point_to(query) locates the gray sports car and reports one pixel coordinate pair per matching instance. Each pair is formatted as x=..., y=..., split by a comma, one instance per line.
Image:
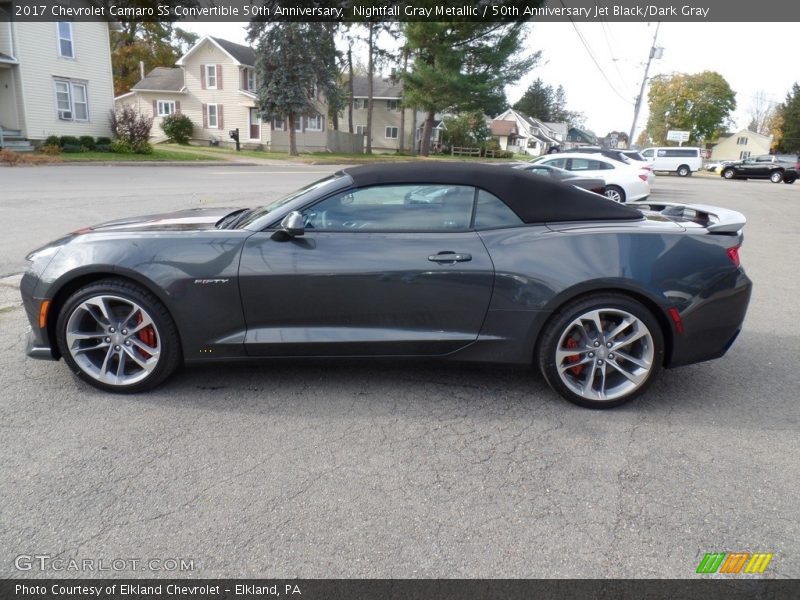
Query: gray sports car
x=455, y=261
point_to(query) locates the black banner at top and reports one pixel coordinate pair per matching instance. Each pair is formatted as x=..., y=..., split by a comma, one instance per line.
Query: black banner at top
x=402, y=10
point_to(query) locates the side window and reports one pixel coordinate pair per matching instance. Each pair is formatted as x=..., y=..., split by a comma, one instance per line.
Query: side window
x=604, y=166
x=561, y=163
x=662, y=153
x=648, y=153
x=492, y=212
x=581, y=164
x=415, y=207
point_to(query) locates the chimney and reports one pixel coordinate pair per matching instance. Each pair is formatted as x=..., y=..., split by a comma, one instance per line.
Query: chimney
x=141, y=70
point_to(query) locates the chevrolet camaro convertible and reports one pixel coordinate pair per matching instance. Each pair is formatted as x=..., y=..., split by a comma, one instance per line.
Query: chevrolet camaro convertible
x=454, y=261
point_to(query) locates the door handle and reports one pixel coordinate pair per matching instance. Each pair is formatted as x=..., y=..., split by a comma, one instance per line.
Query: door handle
x=449, y=257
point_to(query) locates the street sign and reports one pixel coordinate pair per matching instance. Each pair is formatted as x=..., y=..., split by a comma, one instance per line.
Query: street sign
x=677, y=136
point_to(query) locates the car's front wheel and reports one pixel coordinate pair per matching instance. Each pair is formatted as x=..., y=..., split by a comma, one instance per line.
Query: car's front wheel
x=601, y=351
x=684, y=171
x=776, y=177
x=615, y=193
x=118, y=337
x=728, y=173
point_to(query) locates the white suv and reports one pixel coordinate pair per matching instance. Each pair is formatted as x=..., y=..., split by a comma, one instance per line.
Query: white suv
x=624, y=182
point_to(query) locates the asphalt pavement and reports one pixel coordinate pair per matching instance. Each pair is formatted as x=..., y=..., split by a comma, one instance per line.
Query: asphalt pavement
x=359, y=469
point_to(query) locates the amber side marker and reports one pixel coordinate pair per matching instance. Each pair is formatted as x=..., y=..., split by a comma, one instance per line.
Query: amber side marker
x=43, y=313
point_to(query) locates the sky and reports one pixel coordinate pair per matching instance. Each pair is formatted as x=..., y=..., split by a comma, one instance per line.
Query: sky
x=602, y=77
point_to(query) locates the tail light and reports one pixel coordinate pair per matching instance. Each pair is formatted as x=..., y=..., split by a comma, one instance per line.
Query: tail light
x=599, y=190
x=733, y=254
x=648, y=168
x=643, y=177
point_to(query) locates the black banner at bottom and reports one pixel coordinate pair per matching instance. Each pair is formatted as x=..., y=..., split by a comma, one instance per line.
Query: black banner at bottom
x=397, y=589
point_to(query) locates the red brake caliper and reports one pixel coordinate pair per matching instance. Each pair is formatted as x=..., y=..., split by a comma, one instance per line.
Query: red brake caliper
x=571, y=343
x=147, y=335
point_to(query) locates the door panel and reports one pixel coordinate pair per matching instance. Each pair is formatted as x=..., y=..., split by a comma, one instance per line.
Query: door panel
x=362, y=293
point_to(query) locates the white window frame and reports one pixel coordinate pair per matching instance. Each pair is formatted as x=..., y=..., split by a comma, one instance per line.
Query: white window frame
x=388, y=131
x=741, y=141
x=359, y=103
x=279, y=124
x=209, y=76
x=361, y=129
x=392, y=105
x=298, y=124
x=161, y=104
x=317, y=123
x=71, y=86
x=251, y=80
x=744, y=155
x=71, y=39
x=214, y=125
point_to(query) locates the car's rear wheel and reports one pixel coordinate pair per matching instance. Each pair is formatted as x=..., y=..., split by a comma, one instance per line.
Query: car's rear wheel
x=776, y=176
x=684, y=170
x=728, y=173
x=601, y=351
x=789, y=180
x=118, y=337
x=615, y=193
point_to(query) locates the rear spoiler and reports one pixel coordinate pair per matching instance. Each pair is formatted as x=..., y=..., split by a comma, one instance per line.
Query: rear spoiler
x=713, y=218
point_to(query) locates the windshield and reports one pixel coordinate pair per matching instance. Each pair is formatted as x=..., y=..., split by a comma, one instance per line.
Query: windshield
x=256, y=213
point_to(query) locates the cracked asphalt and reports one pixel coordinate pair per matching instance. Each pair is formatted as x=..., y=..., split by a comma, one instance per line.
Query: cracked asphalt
x=359, y=469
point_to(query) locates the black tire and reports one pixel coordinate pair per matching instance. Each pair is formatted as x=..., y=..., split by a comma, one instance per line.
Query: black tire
x=684, y=171
x=562, y=323
x=615, y=193
x=790, y=181
x=728, y=173
x=776, y=176
x=117, y=293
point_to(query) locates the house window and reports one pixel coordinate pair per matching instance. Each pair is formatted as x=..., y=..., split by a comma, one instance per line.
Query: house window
x=298, y=124
x=72, y=101
x=65, y=47
x=314, y=123
x=166, y=108
x=211, y=77
x=212, y=116
x=741, y=141
x=278, y=125
x=361, y=129
x=391, y=133
x=359, y=103
x=251, y=80
x=744, y=154
x=392, y=105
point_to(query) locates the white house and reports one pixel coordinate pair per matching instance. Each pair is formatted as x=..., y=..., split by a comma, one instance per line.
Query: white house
x=55, y=79
x=517, y=132
x=740, y=145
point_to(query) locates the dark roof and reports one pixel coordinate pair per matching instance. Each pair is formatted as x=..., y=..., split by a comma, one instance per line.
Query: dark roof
x=162, y=79
x=381, y=88
x=532, y=198
x=244, y=54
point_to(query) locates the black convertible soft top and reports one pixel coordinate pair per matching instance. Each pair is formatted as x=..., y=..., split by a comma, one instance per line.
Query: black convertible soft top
x=532, y=198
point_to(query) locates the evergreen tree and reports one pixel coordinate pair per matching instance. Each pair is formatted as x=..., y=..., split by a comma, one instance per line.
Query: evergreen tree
x=790, y=122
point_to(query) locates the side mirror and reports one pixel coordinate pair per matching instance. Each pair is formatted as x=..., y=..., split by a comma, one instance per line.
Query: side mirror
x=293, y=225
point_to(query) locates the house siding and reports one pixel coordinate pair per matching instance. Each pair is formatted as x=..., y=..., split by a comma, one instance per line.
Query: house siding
x=382, y=118
x=142, y=102
x=40, y=64
x=729, y=149
x=236, y=111
x=6, y=45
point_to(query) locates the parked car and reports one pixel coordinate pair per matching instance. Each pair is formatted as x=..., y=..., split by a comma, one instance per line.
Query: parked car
x=503, y=267
x=593, y=184
x=631, y=158
x=624, y=183
x=681, y=160
x=776, y=168
x=715, y=165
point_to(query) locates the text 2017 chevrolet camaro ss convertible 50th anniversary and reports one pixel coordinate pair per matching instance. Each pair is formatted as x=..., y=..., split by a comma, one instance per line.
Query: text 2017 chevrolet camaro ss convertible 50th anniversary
x=454, y=261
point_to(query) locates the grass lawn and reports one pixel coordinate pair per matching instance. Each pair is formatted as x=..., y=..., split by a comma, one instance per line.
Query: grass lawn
x=325, y=157
x=159, y=155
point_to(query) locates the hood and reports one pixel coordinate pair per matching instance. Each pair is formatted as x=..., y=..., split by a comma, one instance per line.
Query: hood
x=193, y=219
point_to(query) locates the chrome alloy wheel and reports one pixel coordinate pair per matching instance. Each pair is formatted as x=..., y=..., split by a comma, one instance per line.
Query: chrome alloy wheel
x=113, y=340
x=605, y=354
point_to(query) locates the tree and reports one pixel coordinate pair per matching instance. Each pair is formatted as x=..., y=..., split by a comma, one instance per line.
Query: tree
x=762, y=113
x=700, y=104
x=461, y=67
x=468, y=130
x=537, y=101
x=158, y=44
x=295, y=62
x=790, y=122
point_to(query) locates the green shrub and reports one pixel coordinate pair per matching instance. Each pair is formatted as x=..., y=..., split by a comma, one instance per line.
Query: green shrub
x=178, y=128
x=70, y=148
x=103, y=141
x=121, y=146
x=142, y=148
x=52, y=140
x=68, y=140
x=87, y=142
x=103, y=147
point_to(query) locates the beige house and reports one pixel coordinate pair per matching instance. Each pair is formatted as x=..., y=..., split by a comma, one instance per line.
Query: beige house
x=55, y=79
x=741, y=145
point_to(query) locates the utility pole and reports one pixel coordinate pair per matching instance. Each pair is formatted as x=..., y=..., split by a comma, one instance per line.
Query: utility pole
x=655, y=52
